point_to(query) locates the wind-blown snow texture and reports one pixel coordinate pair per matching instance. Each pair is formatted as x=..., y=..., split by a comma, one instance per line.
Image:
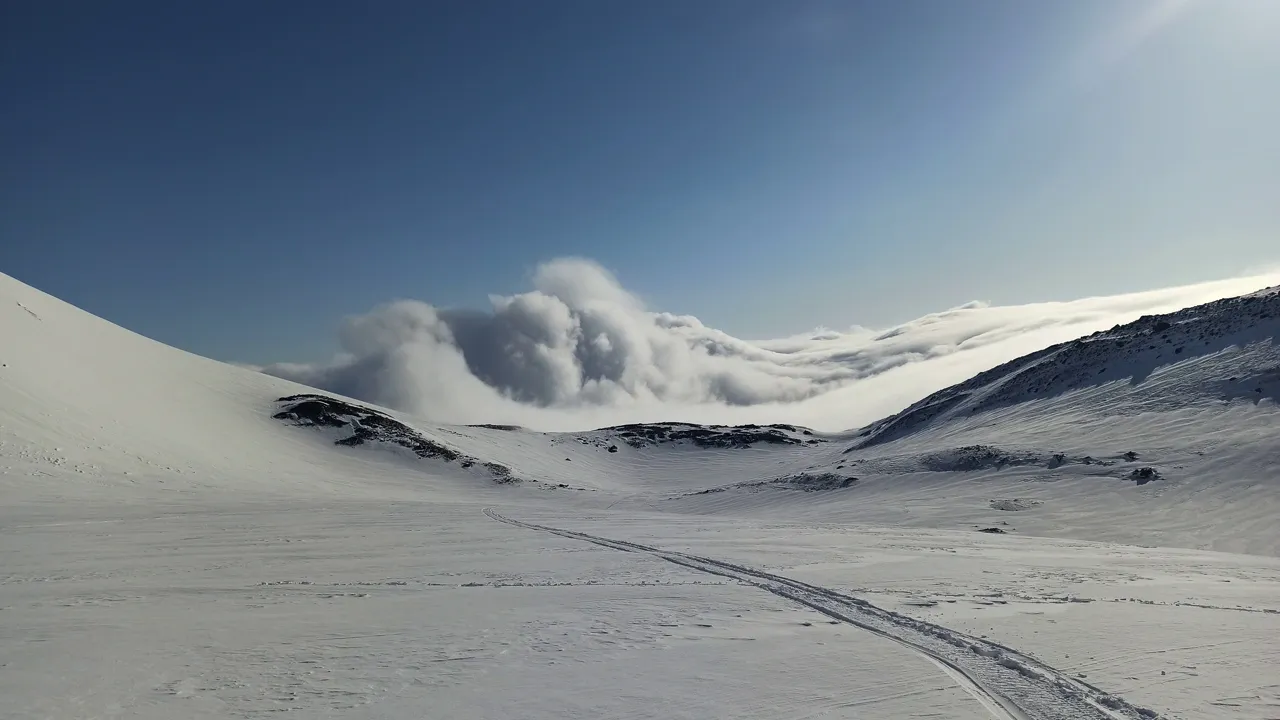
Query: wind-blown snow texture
x=185, y=538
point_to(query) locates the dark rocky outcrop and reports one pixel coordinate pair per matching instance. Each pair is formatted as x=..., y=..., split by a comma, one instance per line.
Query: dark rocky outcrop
x=372, y=426
x=1144, y=475
x=805, y=482
x=706, y=436
x=976, y=457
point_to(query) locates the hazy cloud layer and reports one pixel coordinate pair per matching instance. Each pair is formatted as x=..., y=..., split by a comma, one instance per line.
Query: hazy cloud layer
x=579, y=350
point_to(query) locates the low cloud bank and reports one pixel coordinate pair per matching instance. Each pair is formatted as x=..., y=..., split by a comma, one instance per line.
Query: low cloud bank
x=579, y=350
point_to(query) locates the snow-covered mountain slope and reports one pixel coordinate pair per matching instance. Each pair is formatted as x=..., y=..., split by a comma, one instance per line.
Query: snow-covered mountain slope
x=87, y=404
x=1122, y=435
x=1214, y=353
x=1164, y=431
x=183, y=538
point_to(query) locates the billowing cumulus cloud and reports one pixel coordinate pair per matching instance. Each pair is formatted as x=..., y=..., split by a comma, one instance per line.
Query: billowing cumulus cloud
x=578, y=350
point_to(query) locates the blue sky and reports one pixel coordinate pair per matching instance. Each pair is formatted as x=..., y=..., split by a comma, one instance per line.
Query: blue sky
x=234, y=177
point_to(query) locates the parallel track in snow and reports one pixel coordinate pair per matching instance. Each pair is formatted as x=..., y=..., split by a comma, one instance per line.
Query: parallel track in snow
x=1009, y=684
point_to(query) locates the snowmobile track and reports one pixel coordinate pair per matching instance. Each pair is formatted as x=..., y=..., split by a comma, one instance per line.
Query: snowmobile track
x=1009, y=684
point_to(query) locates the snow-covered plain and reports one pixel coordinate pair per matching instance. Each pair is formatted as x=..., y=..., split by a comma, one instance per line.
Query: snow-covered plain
x=171, y=549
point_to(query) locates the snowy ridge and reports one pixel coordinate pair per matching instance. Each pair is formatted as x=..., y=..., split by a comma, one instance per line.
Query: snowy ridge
x=88, y=407
x=1126, y=352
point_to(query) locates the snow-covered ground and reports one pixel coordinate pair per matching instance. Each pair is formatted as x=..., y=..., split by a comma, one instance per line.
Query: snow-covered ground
x=172, y=549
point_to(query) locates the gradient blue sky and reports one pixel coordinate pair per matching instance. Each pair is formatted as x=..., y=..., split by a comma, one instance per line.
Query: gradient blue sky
x=232, y=177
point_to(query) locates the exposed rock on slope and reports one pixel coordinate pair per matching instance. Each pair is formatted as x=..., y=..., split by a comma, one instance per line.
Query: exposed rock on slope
x=371, y=426
x=976, y=457
x=804, y=482
x=709, y=436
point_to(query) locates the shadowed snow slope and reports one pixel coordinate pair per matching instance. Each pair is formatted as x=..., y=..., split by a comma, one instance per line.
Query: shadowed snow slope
x=184, y=538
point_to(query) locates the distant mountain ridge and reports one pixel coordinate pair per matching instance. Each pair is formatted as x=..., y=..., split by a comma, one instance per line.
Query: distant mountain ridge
x=1125, y=352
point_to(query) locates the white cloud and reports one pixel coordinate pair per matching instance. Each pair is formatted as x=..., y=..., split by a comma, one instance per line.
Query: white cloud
x=579, y=350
